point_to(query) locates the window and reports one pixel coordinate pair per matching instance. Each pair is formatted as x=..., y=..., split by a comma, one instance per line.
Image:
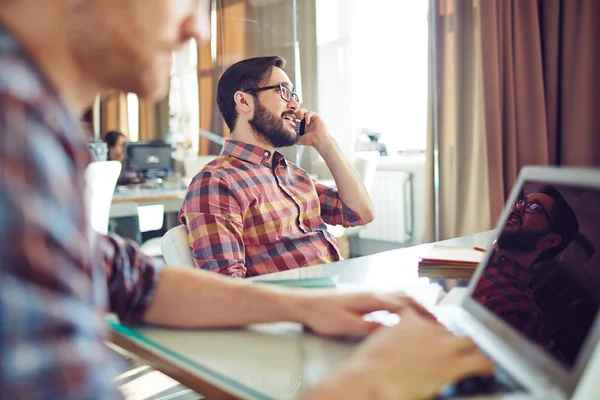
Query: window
x=133, y=117
x=373, y=70
x=183, y=97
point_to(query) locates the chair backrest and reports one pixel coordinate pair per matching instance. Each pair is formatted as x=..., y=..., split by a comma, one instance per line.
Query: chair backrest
x=100, y=181
x=365, y=164
x=151, y=218
x=175, y=248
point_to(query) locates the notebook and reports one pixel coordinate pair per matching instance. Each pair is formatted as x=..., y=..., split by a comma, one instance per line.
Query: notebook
x=457, y=257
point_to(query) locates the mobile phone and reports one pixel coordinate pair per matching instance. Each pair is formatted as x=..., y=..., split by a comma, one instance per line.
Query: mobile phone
x=301, y=126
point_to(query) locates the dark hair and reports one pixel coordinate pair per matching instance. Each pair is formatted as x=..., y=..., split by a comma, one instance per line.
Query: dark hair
x=564, y=222
x=243, y=75
x=88, y=116
x=111, y=138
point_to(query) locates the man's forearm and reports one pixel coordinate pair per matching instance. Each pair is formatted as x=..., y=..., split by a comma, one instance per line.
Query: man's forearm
x=193, y=299
x=349, y=184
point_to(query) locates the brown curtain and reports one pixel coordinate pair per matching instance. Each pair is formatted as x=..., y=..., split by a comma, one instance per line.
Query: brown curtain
x=153, y=117
x=234, y=30
x=159, y=114
x=231, y=41
x=455, y=81
x=146, y=120
x=541, y=87
x=113, y=113
x=206, y=95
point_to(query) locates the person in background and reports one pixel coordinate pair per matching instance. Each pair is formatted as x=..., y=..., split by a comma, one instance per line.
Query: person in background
x=270, y=212
x=87, y=122
x=115, y=141
x=58, y=277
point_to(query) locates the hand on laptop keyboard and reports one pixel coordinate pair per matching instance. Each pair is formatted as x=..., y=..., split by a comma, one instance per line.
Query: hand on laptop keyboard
x=412, y=359
x=476, y=385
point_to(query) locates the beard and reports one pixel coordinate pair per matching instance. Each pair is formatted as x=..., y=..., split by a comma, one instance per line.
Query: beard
x=521, y=241
x=270, y=129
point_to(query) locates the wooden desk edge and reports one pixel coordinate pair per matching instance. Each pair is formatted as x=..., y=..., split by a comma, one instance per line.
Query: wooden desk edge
x=142, y=199
x=197, y=384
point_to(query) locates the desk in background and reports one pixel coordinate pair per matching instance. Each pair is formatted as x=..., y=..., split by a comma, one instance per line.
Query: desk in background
x=170, y=198
x=273, y=361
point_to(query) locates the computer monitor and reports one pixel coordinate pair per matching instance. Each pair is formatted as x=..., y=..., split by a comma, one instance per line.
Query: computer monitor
x=149, y=158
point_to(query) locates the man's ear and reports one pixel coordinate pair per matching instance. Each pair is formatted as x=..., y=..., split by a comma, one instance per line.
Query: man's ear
x=244, y=102
x=551, y=241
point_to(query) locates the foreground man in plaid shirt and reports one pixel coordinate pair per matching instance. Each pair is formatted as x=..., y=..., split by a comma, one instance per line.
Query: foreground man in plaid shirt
x=250, y=211
x=57, y=278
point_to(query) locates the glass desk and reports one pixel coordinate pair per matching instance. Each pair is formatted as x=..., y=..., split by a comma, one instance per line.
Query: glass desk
x=276, y=361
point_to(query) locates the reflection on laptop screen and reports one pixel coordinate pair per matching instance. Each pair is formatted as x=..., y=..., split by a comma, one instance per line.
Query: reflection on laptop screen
x=543, y=276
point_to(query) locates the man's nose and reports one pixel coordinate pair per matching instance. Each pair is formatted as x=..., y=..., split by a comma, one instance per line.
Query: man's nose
x=293, y=104
x=519, y=208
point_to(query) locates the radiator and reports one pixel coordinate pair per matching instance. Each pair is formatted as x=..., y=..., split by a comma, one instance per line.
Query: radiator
x=392, y=196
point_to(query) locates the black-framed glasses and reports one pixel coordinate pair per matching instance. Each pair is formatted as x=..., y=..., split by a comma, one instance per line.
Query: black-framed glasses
x=285, y=93
x=533, y=208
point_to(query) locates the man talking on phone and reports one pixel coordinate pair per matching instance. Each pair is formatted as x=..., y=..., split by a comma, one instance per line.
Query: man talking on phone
x=250, y=211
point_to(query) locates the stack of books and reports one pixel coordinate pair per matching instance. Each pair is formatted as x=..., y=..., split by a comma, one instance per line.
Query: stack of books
x=450, y=262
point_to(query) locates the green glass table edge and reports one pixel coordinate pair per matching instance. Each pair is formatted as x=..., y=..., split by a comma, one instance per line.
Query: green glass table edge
x=128, y=331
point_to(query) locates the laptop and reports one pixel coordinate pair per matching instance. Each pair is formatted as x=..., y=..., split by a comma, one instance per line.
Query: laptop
x=533, y=302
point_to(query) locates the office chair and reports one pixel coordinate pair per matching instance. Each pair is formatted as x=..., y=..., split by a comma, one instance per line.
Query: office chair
x=146, y=218
x=100, y=181
x=175, y=248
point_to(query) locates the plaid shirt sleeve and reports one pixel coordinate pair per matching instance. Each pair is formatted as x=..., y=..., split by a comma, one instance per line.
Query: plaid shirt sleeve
x=213, y=217
x=53, y=287
x=333, y=209
x=132, y=277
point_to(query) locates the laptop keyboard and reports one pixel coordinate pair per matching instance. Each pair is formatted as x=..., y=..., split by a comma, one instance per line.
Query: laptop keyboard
x=499, y=383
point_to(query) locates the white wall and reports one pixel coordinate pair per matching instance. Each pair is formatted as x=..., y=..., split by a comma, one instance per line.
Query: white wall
x=372, y=66
x=389, y=70
x=409, y=162
x=372, y=69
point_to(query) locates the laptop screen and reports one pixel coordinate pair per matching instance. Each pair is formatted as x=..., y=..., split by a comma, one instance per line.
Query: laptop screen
x=543, y=274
